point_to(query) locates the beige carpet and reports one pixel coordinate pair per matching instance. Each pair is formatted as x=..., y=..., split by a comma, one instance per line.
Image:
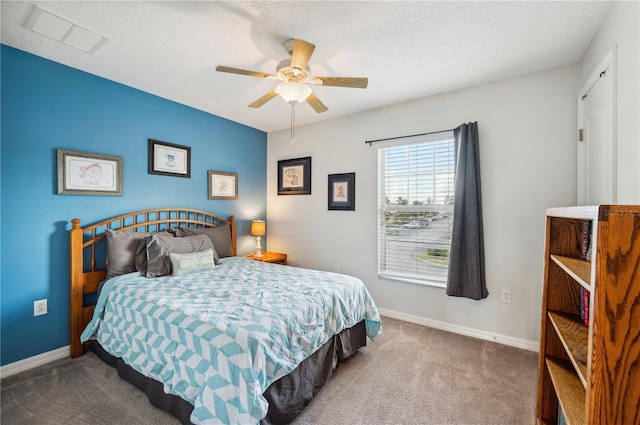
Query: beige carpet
x=419, y=375
x=411, y=375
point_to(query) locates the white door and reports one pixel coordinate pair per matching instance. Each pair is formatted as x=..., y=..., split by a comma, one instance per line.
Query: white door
x=597, y=152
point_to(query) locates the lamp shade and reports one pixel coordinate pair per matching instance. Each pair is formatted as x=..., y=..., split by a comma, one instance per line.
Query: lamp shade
x=293, y=92
x=258, y=228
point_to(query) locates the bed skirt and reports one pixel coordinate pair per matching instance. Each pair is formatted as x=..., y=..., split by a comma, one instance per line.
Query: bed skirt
x=287, y=396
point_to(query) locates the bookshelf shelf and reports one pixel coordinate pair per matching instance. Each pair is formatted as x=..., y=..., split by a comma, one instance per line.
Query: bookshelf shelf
x=589, y=374
x=574, y=336
x=578, y=269
x=570, y=391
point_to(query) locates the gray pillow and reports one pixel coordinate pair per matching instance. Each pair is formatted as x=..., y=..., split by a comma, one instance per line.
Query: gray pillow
x=153, y=259
x=220, y=236
x=121, y=250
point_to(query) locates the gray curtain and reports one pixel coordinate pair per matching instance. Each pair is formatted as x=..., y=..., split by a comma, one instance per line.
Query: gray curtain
x=466, y=258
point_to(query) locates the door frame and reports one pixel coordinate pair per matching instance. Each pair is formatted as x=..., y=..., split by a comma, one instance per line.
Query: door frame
x=607, y=64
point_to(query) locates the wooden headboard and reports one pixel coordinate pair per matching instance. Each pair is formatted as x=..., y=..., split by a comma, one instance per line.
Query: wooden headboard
x=88, y=253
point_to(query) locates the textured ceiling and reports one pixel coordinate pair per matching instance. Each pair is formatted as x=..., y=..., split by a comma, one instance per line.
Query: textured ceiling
x=407, y=49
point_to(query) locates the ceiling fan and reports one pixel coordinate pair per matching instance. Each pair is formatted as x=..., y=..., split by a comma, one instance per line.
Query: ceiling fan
x=294, y=73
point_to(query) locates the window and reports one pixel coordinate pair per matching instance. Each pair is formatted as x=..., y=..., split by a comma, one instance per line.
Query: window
x=415, y=208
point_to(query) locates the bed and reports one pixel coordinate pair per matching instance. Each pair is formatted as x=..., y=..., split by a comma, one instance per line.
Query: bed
x=209, y=336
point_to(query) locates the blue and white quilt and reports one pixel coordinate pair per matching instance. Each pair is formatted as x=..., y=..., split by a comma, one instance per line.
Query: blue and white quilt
x=219, y=338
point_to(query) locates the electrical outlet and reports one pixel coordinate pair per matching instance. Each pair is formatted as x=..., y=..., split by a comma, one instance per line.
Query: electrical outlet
x=40, y=307
x=506, y=296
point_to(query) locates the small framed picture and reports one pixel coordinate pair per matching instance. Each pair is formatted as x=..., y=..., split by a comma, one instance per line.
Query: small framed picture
x=294, y=176
x=342, y=192
x=83, y=173
x=222, y=185
x=169, y=159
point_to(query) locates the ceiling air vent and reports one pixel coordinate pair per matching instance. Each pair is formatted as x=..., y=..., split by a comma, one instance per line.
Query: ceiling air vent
x=58, y=29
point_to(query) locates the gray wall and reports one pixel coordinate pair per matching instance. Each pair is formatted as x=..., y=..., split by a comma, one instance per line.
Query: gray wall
x=528, y=162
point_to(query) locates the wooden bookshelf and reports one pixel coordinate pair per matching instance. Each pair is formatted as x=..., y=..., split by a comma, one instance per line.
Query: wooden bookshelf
x=590, y=372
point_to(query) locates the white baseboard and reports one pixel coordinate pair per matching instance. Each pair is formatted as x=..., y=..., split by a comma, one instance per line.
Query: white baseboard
x=462, y=330
x=35, y=361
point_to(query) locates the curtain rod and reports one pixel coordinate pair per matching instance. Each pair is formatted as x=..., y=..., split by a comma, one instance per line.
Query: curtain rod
x=370, y=142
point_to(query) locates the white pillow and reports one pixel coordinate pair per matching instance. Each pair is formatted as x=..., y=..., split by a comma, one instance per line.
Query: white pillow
x=190, y=262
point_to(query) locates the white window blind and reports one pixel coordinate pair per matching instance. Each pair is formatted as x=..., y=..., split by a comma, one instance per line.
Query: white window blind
x=415, y=208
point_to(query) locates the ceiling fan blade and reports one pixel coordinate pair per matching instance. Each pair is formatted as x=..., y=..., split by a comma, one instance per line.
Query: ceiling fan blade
x=356, y=83
x=301, y=54
x=264, y=99
x=316, y=104
x=221, y=68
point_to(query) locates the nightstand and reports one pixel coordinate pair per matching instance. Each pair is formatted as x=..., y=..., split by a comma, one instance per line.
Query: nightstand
x=270, y=257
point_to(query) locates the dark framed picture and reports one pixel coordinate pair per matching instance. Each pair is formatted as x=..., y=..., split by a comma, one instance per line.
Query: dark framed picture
x=169, y=159
x=342, y=192
x=83, y=173
x=222, y=185
x=294, y=176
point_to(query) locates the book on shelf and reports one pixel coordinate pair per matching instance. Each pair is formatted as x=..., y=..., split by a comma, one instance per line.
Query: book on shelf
x=561, y=419
x=585, y=243
x=585, y=254
x=584, y=305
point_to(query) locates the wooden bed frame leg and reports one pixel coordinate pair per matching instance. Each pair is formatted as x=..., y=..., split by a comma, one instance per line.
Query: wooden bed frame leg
x=77, y=281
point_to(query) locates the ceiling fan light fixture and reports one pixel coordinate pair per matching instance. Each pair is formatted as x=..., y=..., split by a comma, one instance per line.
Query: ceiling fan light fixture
x=293, y=92
x=294, y=74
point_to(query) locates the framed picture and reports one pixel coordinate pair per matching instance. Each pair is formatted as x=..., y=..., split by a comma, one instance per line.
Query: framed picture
x=222, y=185
x=294, y=176
x=83, y=173
x=169, y=159
x=342, y=192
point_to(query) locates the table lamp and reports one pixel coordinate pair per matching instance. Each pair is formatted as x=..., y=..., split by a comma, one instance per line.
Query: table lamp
x=258, y=229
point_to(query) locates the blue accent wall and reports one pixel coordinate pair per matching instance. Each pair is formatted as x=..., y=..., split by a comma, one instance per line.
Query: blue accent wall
x=48, y=106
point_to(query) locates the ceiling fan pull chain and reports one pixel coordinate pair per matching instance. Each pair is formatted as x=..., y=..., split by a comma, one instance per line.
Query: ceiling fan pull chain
x=293, y=120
